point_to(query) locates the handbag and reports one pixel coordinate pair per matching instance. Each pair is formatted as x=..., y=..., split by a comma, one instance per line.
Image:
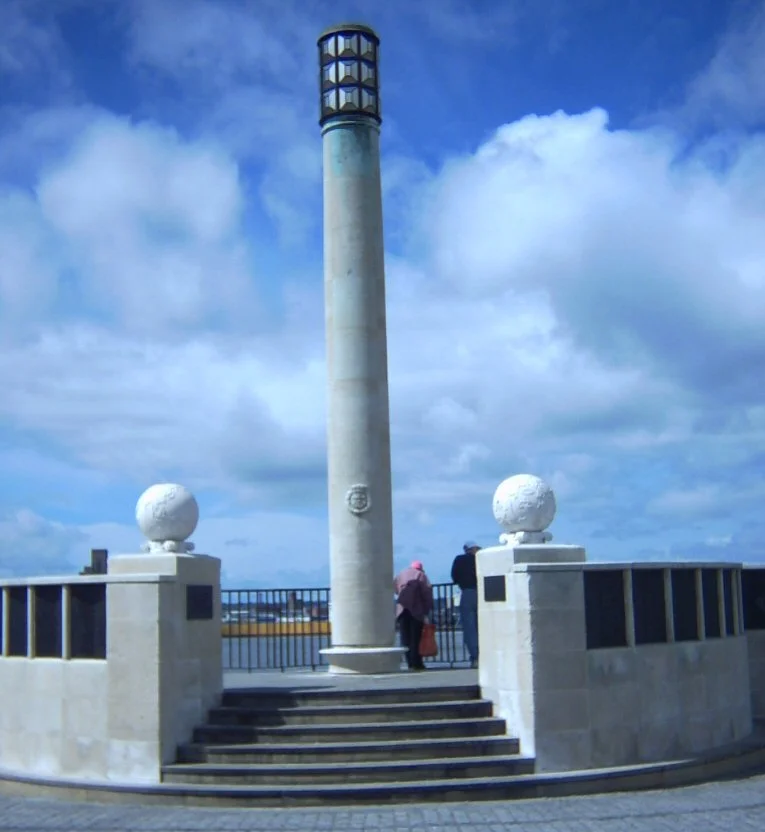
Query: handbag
x=428, y=643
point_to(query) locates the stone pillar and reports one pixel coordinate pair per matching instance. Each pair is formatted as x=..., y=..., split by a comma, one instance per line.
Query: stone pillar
x=533, y=663
x=359, y=469
x=164, y=639
x=531, y=625
x=165, y=658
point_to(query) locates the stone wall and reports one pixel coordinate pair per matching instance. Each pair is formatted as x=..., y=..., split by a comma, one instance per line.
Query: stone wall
x=664, y=701
x=574, y=708
x=53, y=717
x=119, y=719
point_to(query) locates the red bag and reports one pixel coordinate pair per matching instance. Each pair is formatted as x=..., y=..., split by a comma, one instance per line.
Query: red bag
x=428, y=643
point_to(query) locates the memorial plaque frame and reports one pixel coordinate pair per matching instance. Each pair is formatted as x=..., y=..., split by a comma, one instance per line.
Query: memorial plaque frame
x=649, y=606
x=199, y=602
x=685, y=605
x=605, y=608
x=18, y=621
x=48, y=639
x=494, y=588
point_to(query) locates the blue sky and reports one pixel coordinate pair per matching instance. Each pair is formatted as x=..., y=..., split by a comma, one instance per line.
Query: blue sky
x=575, y=262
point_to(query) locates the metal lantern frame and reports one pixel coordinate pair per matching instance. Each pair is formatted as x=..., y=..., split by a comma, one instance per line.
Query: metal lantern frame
x=349, y=81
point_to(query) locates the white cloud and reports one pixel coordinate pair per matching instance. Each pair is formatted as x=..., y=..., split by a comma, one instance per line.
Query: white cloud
x=152, y=225
x=730, y=91
x=33, y=545
x=693, y=502
x=640, y=256
x=28, y=258
x=206, y=410
x=259, y=91
x=30, y=42
x=572, y=300
x=503, y=357
x=185, y=38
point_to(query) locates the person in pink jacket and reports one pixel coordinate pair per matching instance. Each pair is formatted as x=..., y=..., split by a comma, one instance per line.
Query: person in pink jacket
x=414, y=603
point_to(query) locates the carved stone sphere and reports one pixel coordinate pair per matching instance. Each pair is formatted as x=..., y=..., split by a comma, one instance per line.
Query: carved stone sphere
x=167, y=512
x=524, y=503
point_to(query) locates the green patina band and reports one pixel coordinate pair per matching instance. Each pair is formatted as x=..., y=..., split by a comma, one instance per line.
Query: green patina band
x=352, y=149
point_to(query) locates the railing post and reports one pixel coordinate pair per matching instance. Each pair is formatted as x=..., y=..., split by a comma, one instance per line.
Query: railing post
x=66, y=635
x=629, y=607
x=669, y=605
x=31, y=628
x=700, y=617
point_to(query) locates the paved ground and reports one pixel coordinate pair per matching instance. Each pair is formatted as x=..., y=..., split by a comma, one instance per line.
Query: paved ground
x=738, y=806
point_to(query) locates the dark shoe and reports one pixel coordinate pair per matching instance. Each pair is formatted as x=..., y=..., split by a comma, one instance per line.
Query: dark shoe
x=473, y=664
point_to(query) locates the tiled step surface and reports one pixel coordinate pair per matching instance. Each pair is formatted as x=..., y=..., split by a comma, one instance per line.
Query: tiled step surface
x=364, y=772
x=330, y=753
x=354, y=794
x=350, y=732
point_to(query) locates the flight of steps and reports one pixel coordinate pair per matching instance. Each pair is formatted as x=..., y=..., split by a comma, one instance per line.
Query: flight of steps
x=342, y=746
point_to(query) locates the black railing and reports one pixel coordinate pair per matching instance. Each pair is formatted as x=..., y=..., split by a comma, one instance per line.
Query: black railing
x=282, y=629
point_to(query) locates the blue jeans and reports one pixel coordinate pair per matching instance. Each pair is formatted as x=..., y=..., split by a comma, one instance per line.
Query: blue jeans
x=469, y=616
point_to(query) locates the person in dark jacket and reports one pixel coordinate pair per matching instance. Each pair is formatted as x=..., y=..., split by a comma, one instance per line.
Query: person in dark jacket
x=464, y=575
x=414, y=603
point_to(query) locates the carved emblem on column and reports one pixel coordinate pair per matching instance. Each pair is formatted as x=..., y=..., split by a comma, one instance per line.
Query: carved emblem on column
x=357, y=499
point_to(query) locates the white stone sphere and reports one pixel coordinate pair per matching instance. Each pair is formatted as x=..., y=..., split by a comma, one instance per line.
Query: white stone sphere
x=524, y=503
x=167, y=512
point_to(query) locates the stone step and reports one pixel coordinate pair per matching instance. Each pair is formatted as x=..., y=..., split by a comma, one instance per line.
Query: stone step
x=329, y=753
x=410, y=772
x=268, y=698
x=338, y=714
x=359, y=794
x=349, y=732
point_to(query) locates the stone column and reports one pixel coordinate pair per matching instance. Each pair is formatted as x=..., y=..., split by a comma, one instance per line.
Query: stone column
x=359, y=477
x=164, y=639
x=531, y=623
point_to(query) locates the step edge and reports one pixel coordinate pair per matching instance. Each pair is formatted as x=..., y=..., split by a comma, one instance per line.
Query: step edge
x=291, y=768
x=441, y=705
x=276, y=693
x=392, y=745
x=350, y=726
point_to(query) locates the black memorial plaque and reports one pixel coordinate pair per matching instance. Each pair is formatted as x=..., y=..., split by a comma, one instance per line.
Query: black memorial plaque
x=48, y=643
x=199, y=602
x=649, y=606
x=684, y=601
x=753, y=586
x=604, y=609
x=711, y=600
x=494, y=588
x=18, y=624
x=730, y=609
x=87, y=621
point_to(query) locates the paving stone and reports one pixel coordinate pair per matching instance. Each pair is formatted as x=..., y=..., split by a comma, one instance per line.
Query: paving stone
x=738, y=805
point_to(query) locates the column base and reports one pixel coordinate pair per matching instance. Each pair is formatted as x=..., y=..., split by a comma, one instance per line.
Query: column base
x=364, y=660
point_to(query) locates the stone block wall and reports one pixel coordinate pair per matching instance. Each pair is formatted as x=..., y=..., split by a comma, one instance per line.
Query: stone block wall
x=53, y=717
x=664, y=701
x=577, y=708
x=119, y=718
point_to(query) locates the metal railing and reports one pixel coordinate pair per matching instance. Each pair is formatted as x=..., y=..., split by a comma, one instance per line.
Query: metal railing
x=282, y=629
